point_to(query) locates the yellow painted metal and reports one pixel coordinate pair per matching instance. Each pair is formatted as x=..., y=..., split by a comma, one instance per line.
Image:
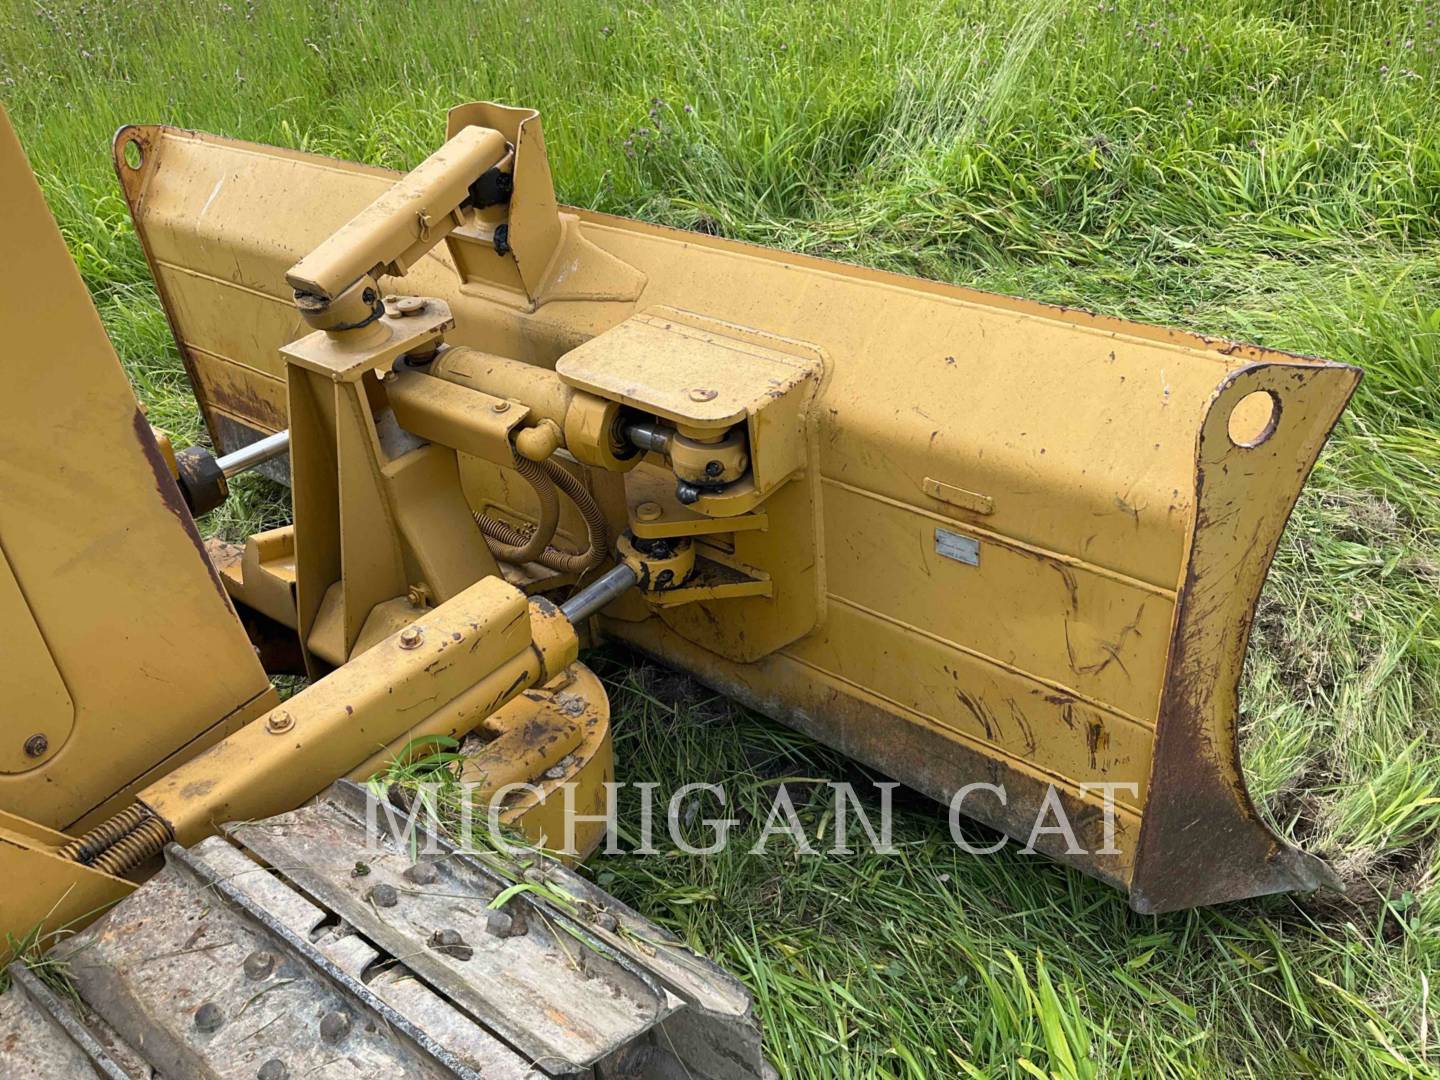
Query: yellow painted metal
x=550, y=739
x=471, y=656
x=466, y=420
x=1003, y=542
x=393, y=232
x=46, y=895
x=118, y=646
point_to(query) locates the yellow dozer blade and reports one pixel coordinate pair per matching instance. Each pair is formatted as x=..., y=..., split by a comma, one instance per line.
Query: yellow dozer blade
x=977, y=540
x=1006, y=553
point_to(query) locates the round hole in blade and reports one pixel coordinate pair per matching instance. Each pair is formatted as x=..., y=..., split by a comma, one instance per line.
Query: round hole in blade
x=133, y=154
x=1254, y=418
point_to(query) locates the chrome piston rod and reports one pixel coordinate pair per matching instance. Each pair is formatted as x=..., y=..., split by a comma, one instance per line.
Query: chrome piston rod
x=609, y=586
x=257, y=453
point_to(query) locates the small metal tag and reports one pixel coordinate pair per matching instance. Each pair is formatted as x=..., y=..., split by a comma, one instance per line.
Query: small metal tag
x=957, y=546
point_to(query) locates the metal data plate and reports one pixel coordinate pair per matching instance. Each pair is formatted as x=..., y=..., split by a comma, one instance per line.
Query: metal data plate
x=219, y=966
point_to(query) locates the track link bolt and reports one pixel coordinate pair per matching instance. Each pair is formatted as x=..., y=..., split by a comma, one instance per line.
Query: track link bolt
x=449, y=942
x=605, y=921
x=334, y=1026
x=259, y=964
x=422, y=873
x=411, y=637
x=209, y=1017
x=501, y=923
x=274, y=1069
x=383, y=895
x=279, y=722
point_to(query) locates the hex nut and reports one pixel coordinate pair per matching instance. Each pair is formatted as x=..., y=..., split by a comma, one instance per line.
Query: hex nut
x=274, y=1069
x=259, y=964
x=209, y=1017
x=505, y=924
x=422, y=873
x=384, y=895
x=334, y=1026
x=449, y=942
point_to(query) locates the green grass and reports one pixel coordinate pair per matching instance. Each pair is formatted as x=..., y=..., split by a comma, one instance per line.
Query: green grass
x=1263, y=170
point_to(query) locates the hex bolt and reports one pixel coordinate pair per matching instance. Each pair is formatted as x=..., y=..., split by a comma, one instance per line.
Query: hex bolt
x=209, y=1017
x=448, y=941
x=501, y=406
x=506, y=922
x=400, y=306
x=274, y=1069
x=422, y=873
x=259, y=964
x=411, y=637
x=384, y=895
x=417, y=595
x=701, y=393
x=334, y=1026
x=277, y=723
x=36, y=745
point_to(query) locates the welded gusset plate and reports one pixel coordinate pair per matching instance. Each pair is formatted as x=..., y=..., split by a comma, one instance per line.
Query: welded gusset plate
x=1201, y=840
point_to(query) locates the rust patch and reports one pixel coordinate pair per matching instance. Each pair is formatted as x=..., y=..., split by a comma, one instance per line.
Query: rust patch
x=173, y=500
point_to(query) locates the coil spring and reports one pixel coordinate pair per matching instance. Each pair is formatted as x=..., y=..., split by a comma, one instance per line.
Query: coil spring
x=146, y=841
x=86, y=848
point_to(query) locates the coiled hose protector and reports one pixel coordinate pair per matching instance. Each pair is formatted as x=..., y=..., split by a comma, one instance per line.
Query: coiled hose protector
x=514, y=546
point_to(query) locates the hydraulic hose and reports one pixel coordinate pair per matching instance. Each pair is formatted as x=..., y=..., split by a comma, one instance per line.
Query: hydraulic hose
x=596, y=530
x=512, y=545
x=515, y=546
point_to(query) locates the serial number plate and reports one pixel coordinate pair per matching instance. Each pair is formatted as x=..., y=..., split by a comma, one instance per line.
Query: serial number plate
x=957, y=546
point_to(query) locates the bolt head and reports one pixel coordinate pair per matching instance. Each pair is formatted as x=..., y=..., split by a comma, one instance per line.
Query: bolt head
x=450, y=942
x=36, y=745
x=648, y=511
x=383, y=895
x=209, y=1017
x=277, y=723
x=501, y=406
x=274, y=1069
x=259, y=964
x=399, y=306
x=411, y=637
x=334, y=1026
x=701, y=393
x=422, y=873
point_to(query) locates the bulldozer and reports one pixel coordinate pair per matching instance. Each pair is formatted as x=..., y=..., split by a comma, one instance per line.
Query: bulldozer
x=963, y=538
